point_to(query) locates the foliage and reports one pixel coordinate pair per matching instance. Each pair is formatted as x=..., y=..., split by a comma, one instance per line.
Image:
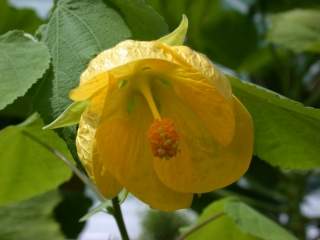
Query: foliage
x=297, y=30
x=284, y=129
x=76, y=31
x=26, y=168
x=12, y=18
x=19, y=52
x=31, y=219
x=144, y=23
x=214, y=26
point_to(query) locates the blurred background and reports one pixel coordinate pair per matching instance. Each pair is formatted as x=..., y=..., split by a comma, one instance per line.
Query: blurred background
x=233, y=34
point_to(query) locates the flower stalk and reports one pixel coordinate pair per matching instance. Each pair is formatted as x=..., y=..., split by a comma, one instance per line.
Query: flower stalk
x=117, y=214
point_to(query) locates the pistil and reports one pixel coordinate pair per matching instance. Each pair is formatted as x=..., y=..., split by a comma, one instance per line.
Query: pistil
x=146, y=92
x=162, y=134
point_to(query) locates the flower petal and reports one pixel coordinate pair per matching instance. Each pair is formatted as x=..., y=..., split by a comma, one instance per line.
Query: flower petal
x=87, y=151
x=122, y=141
x=201, y=64
x=211, y=107
x=133, y=51
x=203, y=165
x=106, y=183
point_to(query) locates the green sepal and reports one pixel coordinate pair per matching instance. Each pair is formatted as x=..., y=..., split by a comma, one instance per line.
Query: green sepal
x=105, y=206
x=178, y=36
x=100, y=208
x=70, y=116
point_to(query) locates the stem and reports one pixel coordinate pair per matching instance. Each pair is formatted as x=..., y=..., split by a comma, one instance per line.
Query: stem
x=117, y=214
x=200, y=225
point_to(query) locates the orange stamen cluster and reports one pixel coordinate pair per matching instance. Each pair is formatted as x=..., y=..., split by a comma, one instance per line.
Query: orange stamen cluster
x=163, y=138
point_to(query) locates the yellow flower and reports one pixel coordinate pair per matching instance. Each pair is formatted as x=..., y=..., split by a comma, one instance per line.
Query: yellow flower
x=162, y=122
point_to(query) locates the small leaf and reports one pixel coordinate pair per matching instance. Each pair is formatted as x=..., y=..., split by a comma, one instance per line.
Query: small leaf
x=23, y=61
x=106, y=206
x=31, y=219
x=123, y=195
x=100, y=208
x=27, y=168
x=178, y=36
x=287, y=134
x=298, y=30
x=70, y=116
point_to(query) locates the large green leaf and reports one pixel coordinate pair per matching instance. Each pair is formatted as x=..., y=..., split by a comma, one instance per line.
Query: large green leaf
x=298, y=30
x=254, y=223
x=144, y=22
x=237, y=221
x=79, y=30
x=27, y=168
x=76, y=32
x=287, y=134
x=12, y=18
x=23, y=61
x=31, y=219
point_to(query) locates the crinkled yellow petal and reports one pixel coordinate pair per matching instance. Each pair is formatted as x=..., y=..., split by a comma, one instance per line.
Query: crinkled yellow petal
x=122, y=142
x=201, y=64
x=87, y=151
x=215, y=111
x=132, y=51
x=203, y=164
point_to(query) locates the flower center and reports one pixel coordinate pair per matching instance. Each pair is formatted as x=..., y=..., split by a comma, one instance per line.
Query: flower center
x=162, y=134
x=163, y=138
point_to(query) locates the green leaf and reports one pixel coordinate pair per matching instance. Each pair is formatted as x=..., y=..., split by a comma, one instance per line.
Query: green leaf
x=31, y=219
x=222, y=227
x=23, y=61
x=298, y=30
x=239, y=222
x=76, y=32
x=12, y=18
x=26, y=168
x=177, y=36
x=254, y=223
x=144, y=22
x=69, y=117
x=287, y=134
